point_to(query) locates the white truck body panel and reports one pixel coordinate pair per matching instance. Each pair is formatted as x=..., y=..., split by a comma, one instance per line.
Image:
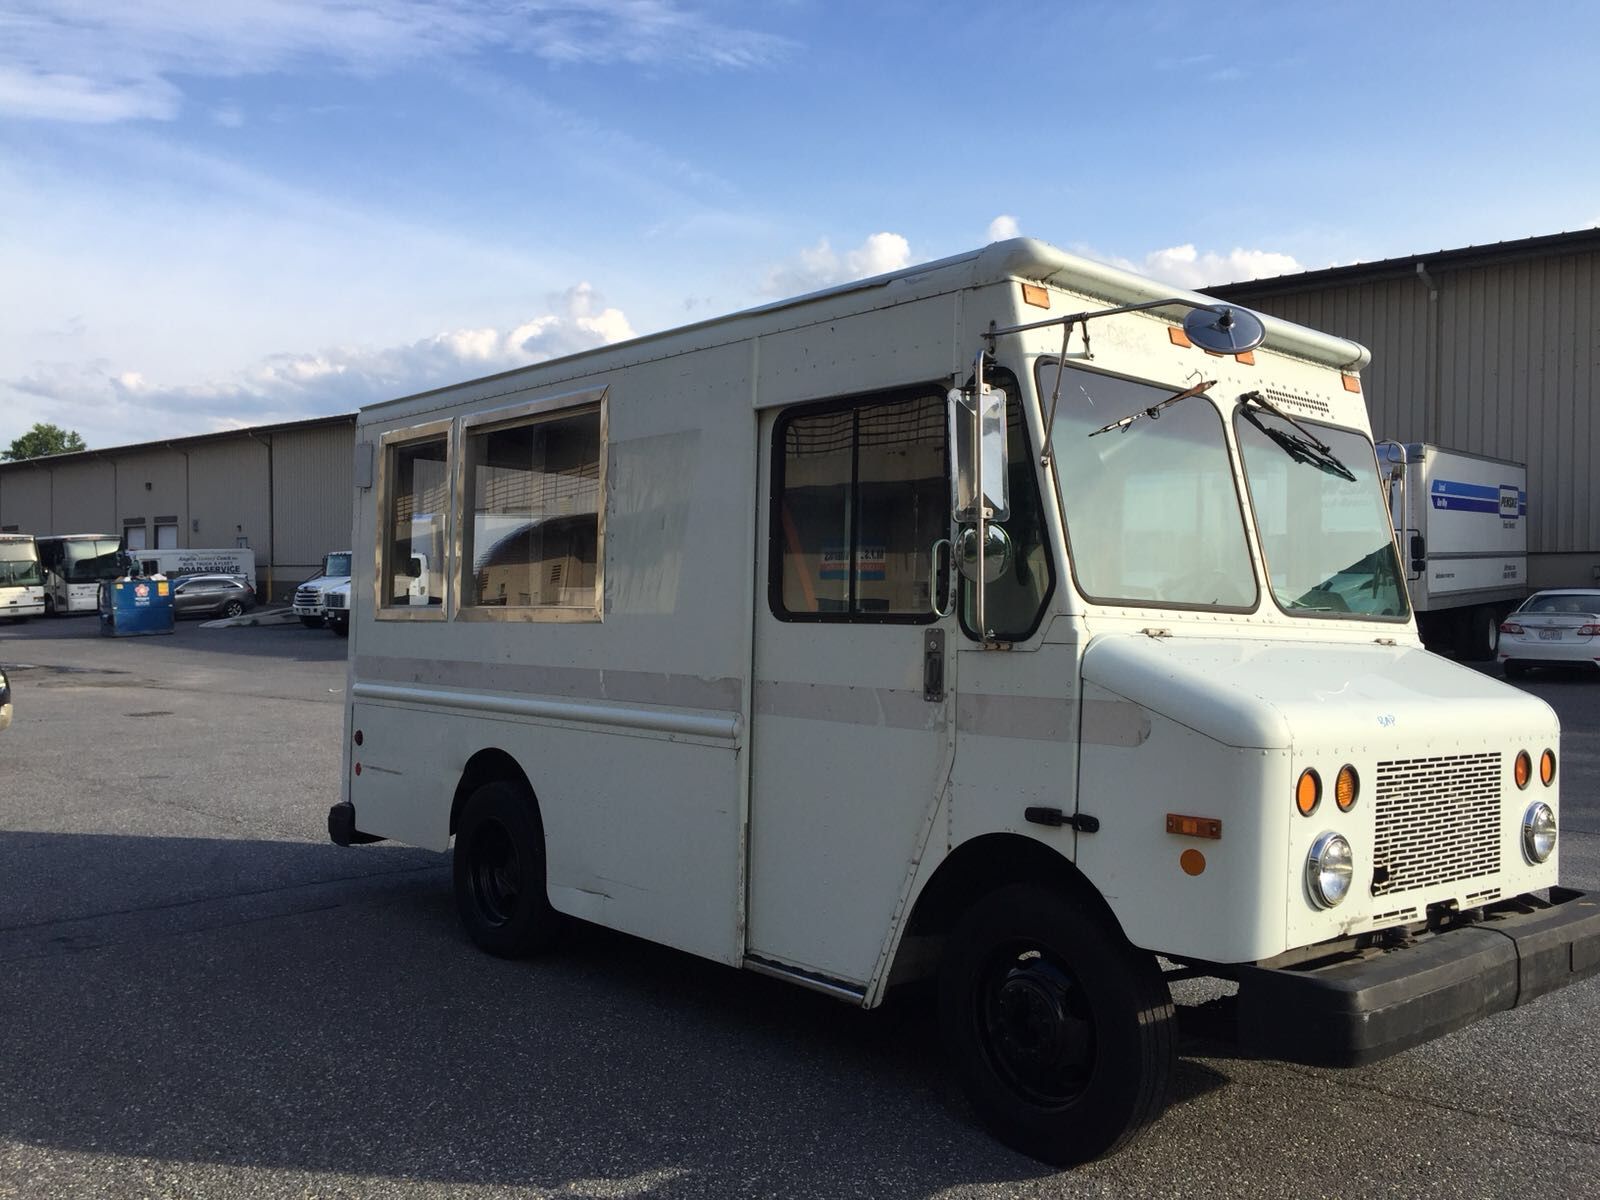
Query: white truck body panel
x=762, y=791
x=231, y=560
x=1472, y=513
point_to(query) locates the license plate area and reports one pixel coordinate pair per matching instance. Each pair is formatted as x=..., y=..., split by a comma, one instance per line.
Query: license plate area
x=1549, y=635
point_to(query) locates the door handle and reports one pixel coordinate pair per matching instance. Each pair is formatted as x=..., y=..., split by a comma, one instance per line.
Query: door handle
x=933, y=665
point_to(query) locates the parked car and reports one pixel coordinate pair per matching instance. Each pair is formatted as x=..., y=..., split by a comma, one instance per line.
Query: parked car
x=1555, y=628
x=211, y=596
x=5, y=699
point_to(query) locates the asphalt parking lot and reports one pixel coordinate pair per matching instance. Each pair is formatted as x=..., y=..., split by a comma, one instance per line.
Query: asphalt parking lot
x=200, y=996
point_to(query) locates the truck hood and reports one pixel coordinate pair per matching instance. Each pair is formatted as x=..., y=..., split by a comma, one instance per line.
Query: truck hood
x=1273, y=695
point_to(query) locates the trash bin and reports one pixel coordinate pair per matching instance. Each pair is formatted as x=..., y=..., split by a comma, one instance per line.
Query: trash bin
x=132, y=607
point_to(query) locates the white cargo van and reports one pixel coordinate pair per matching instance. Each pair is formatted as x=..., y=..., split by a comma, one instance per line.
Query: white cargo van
x=1462, y=521
x=1011, y=620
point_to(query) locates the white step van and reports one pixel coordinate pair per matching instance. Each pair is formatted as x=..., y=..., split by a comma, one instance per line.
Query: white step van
x=1012, y=621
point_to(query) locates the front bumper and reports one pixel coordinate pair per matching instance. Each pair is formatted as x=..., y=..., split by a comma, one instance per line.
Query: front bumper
x=1359, y=1010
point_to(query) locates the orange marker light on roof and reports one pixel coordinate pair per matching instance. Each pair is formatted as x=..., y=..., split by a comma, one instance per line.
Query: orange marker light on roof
x=1035, y=295
x=1248, y=358
x=1178, y=337
x=1351, y=383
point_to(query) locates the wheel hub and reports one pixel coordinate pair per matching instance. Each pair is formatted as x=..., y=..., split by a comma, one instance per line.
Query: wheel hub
x=1039, y=1030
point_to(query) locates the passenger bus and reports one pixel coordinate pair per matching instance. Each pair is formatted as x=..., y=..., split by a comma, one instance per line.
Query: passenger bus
x=21, y=581
x=75, y=565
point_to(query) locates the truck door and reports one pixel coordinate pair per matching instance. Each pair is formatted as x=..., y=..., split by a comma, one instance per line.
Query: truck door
x=854, y=707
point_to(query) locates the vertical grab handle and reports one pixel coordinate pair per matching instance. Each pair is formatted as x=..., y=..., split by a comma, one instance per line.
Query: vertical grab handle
x=934, y=592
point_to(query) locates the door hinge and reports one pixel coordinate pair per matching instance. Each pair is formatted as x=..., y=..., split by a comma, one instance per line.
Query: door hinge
x=1082, y=822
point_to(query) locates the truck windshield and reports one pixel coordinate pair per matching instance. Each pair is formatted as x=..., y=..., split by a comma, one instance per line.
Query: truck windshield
x=92, y=560
x=1325, y=534
x=337, y=564
x=19, y=565
x=1152, y=513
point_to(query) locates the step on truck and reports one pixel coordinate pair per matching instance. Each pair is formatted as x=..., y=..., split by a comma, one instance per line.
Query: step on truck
x=1462, y=523
x=1012, y=622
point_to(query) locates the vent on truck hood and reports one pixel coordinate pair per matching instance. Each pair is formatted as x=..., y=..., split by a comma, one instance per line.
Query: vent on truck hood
x=1438, y=821
x=1308, y=406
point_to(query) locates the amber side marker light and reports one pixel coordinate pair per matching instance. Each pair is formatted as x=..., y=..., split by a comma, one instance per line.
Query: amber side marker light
x=1308, y=792
x=1200, y=827
x=1035, y=295
x=1547, y=767
x=1346, y=788
x=1522, y=771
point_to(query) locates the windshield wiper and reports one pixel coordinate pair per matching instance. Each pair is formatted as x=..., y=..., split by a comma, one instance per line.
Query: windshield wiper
x=1154, y=411
x=1307, y=448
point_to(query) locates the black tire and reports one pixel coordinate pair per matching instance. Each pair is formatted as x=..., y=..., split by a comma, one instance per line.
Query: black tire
x=49, y=605
x=340, y=628
x=499, y=877
x=1480, y=634
x=1061, y=1033
x=311, y=622
x=233, y=608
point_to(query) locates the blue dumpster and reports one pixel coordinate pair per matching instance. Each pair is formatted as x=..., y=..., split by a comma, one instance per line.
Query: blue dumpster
x=131, y=607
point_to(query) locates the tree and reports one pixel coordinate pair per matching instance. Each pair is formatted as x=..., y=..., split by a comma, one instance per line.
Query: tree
x=44, y=439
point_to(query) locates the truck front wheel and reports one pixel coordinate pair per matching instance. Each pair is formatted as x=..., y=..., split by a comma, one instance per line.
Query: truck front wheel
x=311, y=622
x=1062, y=1034
x=499, y=877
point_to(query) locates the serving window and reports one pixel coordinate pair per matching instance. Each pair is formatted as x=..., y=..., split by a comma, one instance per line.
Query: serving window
x=414, y=539
x=532, y=488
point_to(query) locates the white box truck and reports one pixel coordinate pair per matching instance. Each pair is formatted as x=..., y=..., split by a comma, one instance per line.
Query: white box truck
x=1462, y=523
x=1010, y=621
x=310, y=598
x=240, y=562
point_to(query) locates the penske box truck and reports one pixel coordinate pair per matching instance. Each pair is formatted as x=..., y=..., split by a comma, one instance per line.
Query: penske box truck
x=1462, y=524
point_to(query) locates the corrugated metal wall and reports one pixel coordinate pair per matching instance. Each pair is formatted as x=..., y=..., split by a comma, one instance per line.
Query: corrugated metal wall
x=311, y=495
x=214, y=489
x=1505, y=362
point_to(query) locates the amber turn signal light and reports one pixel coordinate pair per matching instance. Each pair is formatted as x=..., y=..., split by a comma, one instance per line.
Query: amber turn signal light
x=1547, y=767
x=1346, y=788
x=1522, y=771
x=1308, y=792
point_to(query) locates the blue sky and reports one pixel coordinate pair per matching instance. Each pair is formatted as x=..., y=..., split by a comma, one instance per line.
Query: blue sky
x=237, y=213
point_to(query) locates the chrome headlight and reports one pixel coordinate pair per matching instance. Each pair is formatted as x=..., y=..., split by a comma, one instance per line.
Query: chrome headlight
x=1329, y=869
x=1539, y=832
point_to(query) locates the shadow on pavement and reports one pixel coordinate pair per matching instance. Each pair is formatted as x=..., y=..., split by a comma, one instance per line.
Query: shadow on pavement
x=321, y=1013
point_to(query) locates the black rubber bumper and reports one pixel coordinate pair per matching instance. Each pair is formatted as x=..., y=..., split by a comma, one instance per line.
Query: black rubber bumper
x=342, y=826
x=1357, y=1011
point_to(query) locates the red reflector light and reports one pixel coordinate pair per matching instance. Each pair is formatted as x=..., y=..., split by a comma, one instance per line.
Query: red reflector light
x=358, y=768
x=1200, y=827
x=1510, y=627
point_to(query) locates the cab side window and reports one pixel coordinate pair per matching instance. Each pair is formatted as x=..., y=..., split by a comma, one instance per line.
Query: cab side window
x=860, y=496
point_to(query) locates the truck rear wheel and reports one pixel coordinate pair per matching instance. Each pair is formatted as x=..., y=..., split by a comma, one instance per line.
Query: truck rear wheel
x=1480, y=633
x=1062, y=1034
x=499, y=877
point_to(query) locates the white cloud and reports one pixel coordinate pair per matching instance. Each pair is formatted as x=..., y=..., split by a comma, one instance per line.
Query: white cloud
x=77, y=60
x=1002, y=228
x=1188, y=267
x=116, y=407
x=821, y=266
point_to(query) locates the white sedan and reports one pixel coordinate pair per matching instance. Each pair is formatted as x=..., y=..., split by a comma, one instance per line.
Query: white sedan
x=1557, y=628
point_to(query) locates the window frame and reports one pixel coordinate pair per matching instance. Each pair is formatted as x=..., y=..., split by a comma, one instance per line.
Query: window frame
x=1241, y=502
x=388, y=443
x=934, y=389
x=512, y=416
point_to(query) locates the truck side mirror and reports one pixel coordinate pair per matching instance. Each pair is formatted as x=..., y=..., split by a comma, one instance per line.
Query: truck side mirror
x=1419, y=552
x=978, y=444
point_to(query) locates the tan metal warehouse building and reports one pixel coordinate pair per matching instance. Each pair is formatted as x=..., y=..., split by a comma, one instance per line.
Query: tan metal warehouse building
x=1490, y=349
x=284, y=489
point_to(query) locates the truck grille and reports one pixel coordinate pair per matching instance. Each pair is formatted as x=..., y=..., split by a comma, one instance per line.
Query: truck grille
x=1438, y=820
x=334, y=600
x=308, y=596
